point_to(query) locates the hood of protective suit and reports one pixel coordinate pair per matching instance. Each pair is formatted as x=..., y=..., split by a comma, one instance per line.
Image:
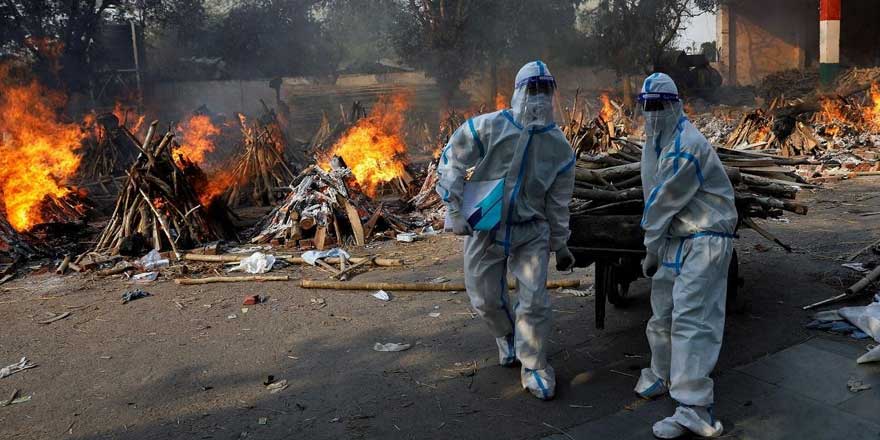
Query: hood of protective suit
x=534, y=109
x=661, y=125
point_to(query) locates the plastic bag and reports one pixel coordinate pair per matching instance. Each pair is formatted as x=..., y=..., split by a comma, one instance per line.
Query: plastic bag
x=153, y=260
x=258, y=262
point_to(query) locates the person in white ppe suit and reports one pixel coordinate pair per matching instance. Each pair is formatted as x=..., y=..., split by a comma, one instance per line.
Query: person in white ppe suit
x=689, y=222
x=514, y=211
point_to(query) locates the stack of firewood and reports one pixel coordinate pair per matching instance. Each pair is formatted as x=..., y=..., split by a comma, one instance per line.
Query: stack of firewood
x=107, y=151
x=158, y=206
x=783, y=135
x=12, y=244
x=316, y=208
x=588, y=133
x=427, y=201
x=261, y=168
x=608, y=186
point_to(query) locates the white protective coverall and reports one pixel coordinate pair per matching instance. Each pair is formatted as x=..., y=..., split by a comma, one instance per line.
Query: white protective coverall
x=689, y=222
x=533, y=164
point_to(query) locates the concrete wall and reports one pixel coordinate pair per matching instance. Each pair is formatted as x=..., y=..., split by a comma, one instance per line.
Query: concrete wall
x=762, y=37
x=308, y=99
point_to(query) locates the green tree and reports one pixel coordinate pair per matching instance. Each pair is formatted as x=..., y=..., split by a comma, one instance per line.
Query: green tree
x=267, y=38
x=360, y=29
x=451, y=39
x=631, y=36
x=57, y=35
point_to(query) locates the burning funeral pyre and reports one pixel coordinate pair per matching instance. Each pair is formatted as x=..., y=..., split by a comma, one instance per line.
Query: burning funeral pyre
x=38, y=154
x=336, y=199
x=158, y=207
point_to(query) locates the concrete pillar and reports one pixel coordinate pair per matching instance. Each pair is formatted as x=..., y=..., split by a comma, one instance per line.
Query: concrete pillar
x=726, y=40
x=829, y=40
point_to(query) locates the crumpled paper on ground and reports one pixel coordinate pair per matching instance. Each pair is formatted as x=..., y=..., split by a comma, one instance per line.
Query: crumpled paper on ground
x=258, y=262
x=312, y=257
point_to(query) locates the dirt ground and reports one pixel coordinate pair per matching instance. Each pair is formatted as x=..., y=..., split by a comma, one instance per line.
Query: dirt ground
x=175, y=366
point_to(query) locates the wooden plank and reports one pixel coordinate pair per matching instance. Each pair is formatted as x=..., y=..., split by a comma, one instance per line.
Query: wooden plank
x=355, y=219
x=320, y=237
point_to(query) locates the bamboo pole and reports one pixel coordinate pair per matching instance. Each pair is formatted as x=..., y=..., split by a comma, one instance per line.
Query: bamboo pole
x=864, y=282
x=414, y=287
x=242, y=279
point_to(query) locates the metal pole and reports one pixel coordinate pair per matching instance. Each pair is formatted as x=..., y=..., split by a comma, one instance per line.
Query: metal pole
x=137, y=67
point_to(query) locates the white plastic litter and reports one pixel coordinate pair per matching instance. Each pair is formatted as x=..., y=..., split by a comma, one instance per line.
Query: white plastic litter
x=145, y=277
x=407, y=237
x=434, y=314
x=153, y=260
x=21, y=365
x=827, y=315
x=873, y=355
x=858, y=267
x=312, y=256
x=258, y=262
x=277, y=387
x=579, y=293
x=391, y=346
x=382, y=295
x=867, y=319
x=856, y=385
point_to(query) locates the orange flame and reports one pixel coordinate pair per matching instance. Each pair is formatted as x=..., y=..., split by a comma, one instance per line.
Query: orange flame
x=37, y=151
x=832, y=111
x=197, y=139
x=872, y=113
x=374, y=149
x=762, y=134
x=607, y=111
x=501, y=101
x=218, y=182
x=126, y=118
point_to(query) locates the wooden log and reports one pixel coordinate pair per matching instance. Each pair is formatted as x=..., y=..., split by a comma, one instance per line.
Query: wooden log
x=241, y=279
x=345, y=271
x=601, y=195
x=355, y=220
x=371, y=223
x=320, y=238
x=611, y=231
x=868, y=279
x=307, y=223
x=329, y=268
x=415, y=287
x=769, y=202
x=764, y=233
x=610, y=174
x=115, y=270
x=65, y=263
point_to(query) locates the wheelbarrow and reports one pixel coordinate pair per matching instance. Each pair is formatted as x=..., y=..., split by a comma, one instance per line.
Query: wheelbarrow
x=614, y=243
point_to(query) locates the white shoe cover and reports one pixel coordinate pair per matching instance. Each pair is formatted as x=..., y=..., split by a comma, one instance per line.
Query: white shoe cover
x=541, y=383
x=506, y=351
x=668, y=428
x=694, y=419
x=650, y=386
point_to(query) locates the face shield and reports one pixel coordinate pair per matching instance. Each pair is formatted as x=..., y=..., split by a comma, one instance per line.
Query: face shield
x=661, y=112
x=535, y=101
